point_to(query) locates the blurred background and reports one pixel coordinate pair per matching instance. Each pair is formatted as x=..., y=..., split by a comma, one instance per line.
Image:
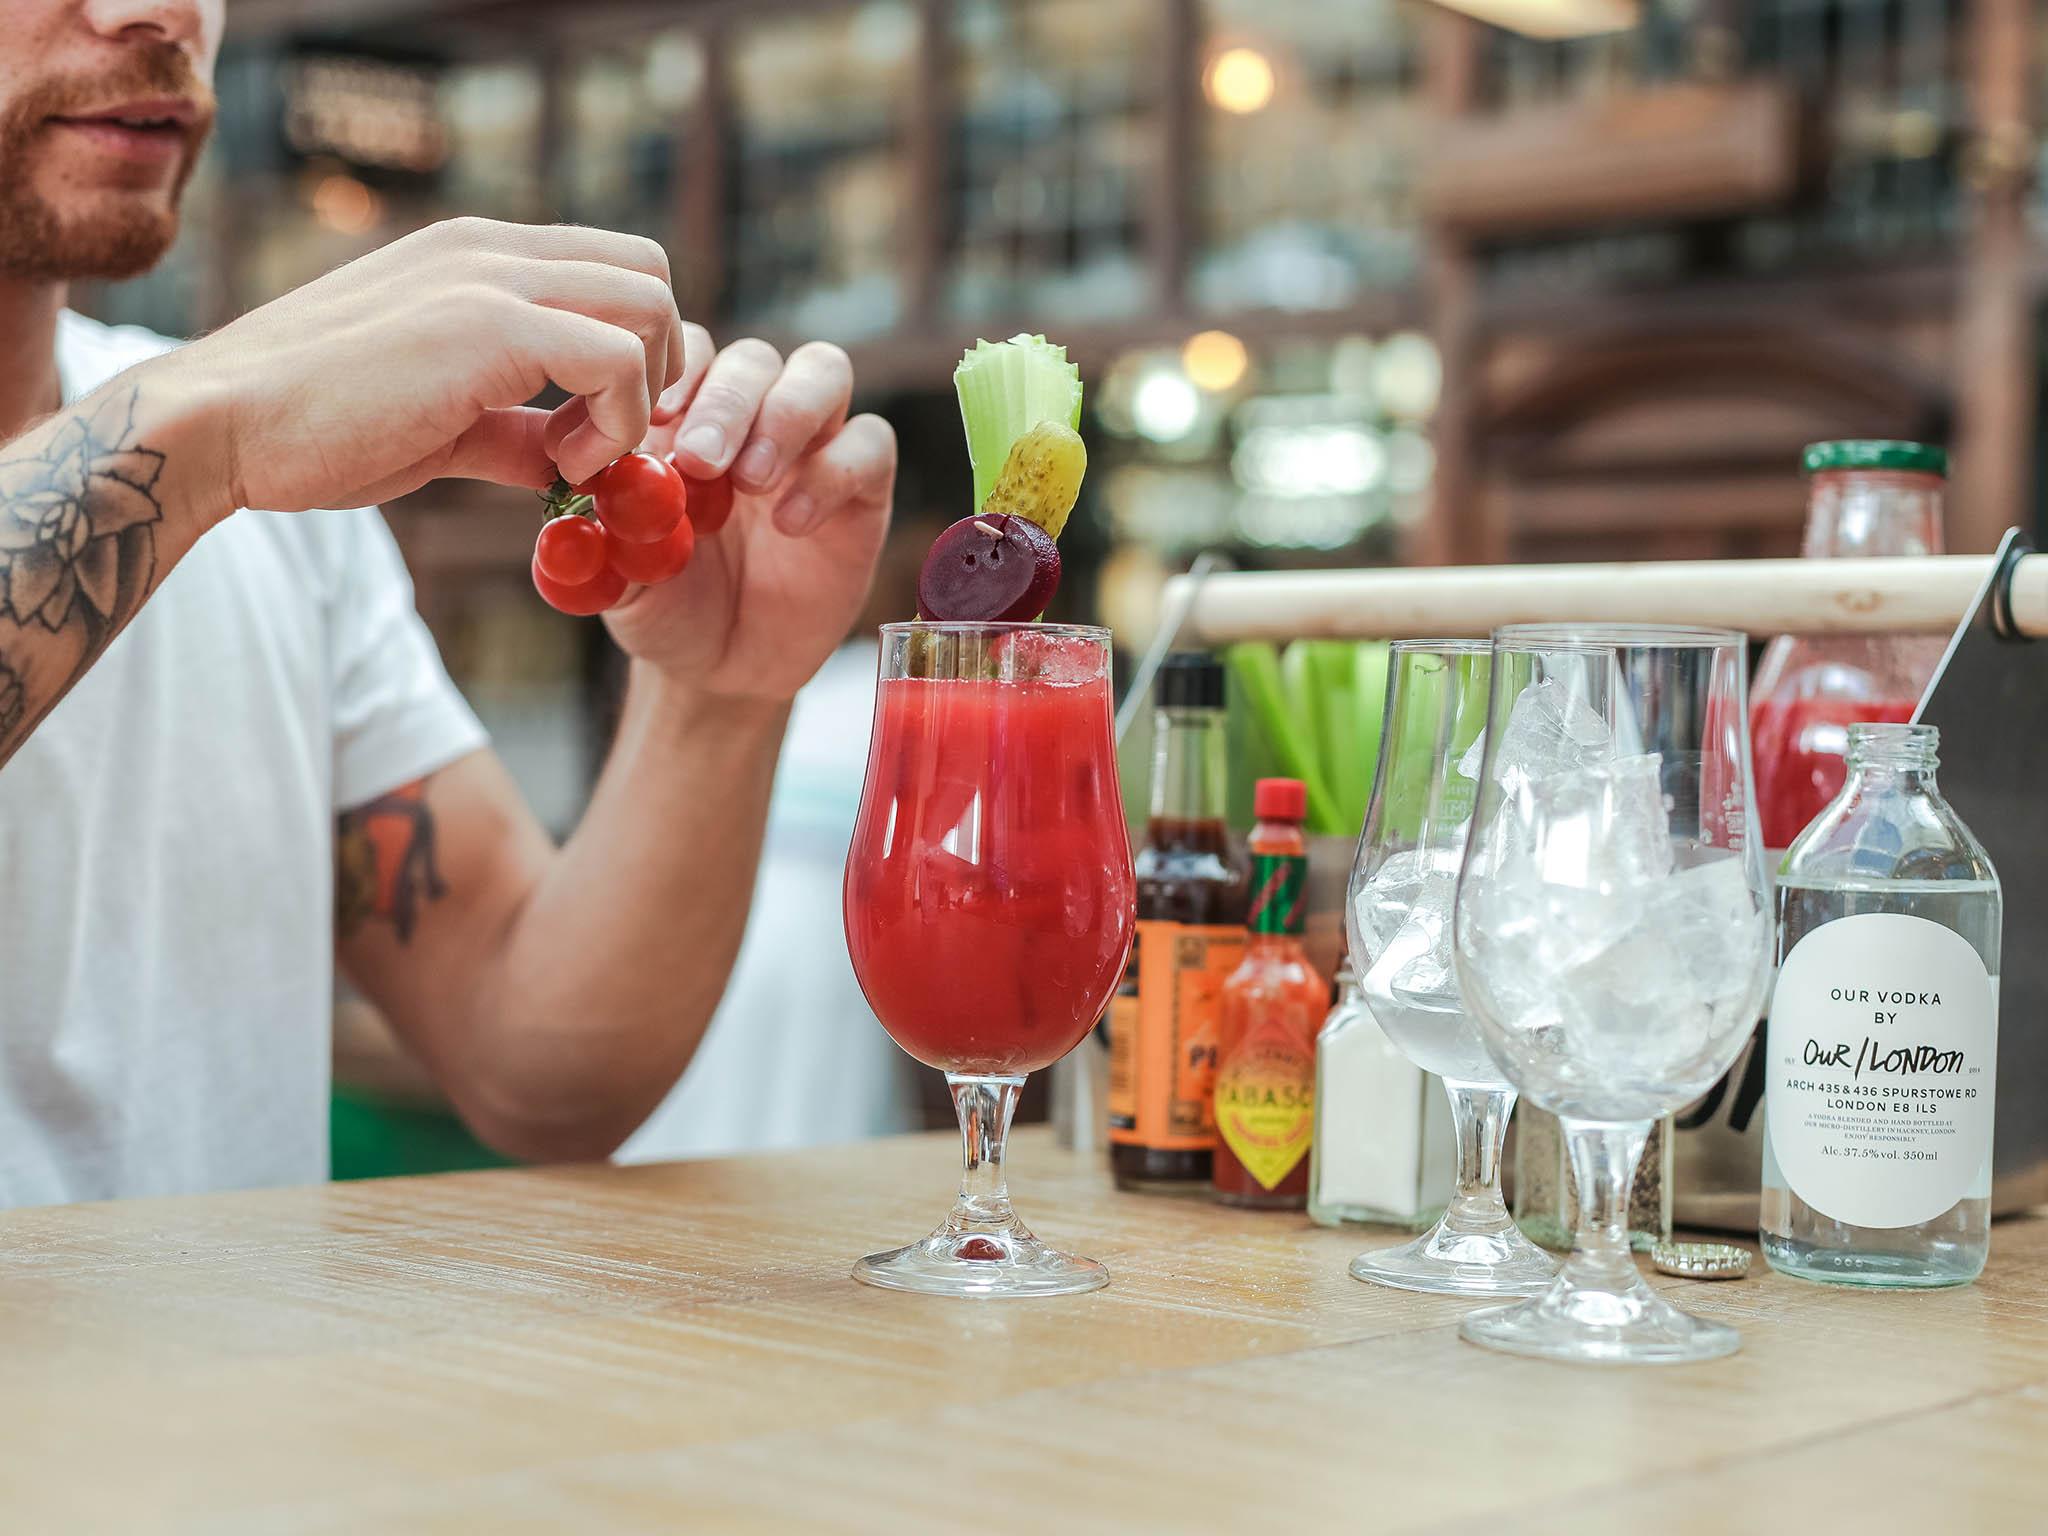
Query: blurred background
x=1350, y=281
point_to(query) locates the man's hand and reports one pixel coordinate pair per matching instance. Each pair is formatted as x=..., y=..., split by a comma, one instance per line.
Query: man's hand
x=766, y=598
x=415, y=362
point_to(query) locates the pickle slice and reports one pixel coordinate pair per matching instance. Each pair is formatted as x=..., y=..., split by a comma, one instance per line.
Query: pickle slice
x=1041, y=479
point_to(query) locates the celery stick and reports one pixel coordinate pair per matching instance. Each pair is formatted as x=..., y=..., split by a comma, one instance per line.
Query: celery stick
x=1256, y=667
x=1006, y=388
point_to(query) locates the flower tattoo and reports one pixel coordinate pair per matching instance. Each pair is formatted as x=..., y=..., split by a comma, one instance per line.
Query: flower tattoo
x=79, y=509
x=67, y=511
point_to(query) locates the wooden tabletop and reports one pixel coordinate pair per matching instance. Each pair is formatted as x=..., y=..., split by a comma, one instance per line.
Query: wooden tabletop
x=679, y=1348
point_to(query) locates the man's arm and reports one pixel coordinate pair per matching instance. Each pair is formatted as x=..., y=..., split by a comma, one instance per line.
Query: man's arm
x=96, y=505
x=557, y=994
x=411, y=363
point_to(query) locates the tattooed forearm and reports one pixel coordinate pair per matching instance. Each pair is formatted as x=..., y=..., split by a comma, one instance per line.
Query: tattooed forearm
x=384, y=864
x=79, y=509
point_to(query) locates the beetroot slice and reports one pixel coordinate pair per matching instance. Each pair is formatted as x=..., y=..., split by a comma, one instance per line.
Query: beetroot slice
x=987, y=570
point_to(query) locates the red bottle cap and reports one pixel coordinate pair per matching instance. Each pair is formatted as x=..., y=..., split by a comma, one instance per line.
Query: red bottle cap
x=1280, y=800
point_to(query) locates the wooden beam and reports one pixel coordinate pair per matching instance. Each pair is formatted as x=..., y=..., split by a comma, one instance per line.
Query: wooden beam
x=1674, y=151
x=1925, y=595
x=704, y=165
x=1994, y=350
x=928, y=130
x=1452, y=529
x=1169, y=213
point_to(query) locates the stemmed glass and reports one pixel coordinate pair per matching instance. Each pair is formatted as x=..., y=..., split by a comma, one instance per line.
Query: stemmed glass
x=1612, y=934
x=989, y=905
x=1398, y=913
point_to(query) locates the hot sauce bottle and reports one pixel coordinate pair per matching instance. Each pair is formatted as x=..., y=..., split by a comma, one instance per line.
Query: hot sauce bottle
x=1273, y=1005
x=1191, y=902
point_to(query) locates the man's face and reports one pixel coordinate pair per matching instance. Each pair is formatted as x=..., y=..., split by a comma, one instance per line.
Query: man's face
x=104, y=105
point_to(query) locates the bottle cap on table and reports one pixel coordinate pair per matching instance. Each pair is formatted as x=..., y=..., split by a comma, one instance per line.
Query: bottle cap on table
x=1701, y=1261
x=1190, y=680
x=1875, y=453
x=1280, y=800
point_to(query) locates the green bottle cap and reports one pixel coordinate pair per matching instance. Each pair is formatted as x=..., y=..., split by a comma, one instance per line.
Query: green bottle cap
x=1875, y=453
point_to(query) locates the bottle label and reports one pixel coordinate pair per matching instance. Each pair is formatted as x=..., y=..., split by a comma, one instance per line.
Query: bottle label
x=1266, y=1103
x=1163, y=1041
x=1279, y=893
x=1883, y=1046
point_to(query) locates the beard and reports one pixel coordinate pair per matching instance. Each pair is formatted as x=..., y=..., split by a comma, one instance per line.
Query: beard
x=109, y=232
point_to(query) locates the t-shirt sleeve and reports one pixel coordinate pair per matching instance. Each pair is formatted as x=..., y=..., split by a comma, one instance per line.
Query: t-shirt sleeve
x=397, y=716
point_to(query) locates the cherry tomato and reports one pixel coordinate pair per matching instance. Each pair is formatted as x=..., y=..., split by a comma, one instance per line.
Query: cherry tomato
x=583, y=599
x=710, y=501
x=639, y=497
x=570, y=549
x=650, y=563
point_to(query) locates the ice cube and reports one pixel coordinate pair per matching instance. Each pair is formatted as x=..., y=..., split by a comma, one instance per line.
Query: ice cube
x=1549, y=729
x=1626, y=998
x=1603, y=826
x=1408, y=921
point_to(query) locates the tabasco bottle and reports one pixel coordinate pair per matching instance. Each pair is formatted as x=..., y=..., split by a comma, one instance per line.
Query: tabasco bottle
x=1273, y=1004
x=1191, y=904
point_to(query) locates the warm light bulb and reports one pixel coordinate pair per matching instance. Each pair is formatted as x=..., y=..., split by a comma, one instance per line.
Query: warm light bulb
x=1215, y=360
x=1240, y=80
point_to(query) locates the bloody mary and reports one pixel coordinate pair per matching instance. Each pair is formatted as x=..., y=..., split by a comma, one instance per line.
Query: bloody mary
x=989, y=895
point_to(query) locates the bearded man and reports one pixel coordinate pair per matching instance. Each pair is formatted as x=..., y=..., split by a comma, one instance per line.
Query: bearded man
x=209, y=684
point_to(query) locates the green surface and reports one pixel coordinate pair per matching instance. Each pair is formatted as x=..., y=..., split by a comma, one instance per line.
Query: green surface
x=371, y=1139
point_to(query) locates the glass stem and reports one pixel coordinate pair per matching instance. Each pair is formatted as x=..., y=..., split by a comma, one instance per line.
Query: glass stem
x=1603, y=1158
x=984, y=1105
x=1479, y=1120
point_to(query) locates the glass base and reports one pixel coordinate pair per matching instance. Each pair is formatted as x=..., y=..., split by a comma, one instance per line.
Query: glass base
x=1631, y=1325
x=1002, y=1263
x=1452, y=1263
x=1946, y=1265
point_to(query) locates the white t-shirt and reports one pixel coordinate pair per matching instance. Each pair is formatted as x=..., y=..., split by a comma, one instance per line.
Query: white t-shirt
x=167, y=858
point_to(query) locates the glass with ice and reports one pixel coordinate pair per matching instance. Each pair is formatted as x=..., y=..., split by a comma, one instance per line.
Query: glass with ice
x=1399, y=920
x=1612, y=934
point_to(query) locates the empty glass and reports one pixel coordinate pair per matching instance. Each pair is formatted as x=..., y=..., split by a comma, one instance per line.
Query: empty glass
x=1612, y=934
x=1399, y=915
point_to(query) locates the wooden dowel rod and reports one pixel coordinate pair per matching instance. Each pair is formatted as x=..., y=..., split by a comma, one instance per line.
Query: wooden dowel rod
x=1765, y=597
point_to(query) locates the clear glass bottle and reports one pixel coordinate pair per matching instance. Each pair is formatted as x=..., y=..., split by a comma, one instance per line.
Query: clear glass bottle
x=1383, y=1153
x=1883, y=1037
x=1865, y=499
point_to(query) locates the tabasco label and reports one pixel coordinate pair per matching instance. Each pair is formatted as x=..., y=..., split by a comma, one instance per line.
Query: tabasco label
x=1279, y=893
x=1163, y=1035
x=1265, y=1103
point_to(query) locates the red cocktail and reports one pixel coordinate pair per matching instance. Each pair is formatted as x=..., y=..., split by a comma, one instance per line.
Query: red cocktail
x=989, y=901
x=1800, y=746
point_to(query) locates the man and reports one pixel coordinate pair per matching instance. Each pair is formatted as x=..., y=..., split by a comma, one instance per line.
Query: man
x=199, y=705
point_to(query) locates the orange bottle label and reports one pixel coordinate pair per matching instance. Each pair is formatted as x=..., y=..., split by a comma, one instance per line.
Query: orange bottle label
x=1266, y=1102
x=1162, y=1055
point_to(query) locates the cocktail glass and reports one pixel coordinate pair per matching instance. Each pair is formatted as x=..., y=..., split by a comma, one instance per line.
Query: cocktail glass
x=1612, y=935
x=990, y=905
x=1398, y=913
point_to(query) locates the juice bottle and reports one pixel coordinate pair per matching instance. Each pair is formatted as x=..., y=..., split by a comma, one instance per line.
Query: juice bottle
x=1867, y=498
x=1273, y=1005
x=1192, y=886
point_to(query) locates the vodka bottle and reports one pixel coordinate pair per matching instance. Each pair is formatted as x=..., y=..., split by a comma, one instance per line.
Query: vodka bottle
x=1883, y=1036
